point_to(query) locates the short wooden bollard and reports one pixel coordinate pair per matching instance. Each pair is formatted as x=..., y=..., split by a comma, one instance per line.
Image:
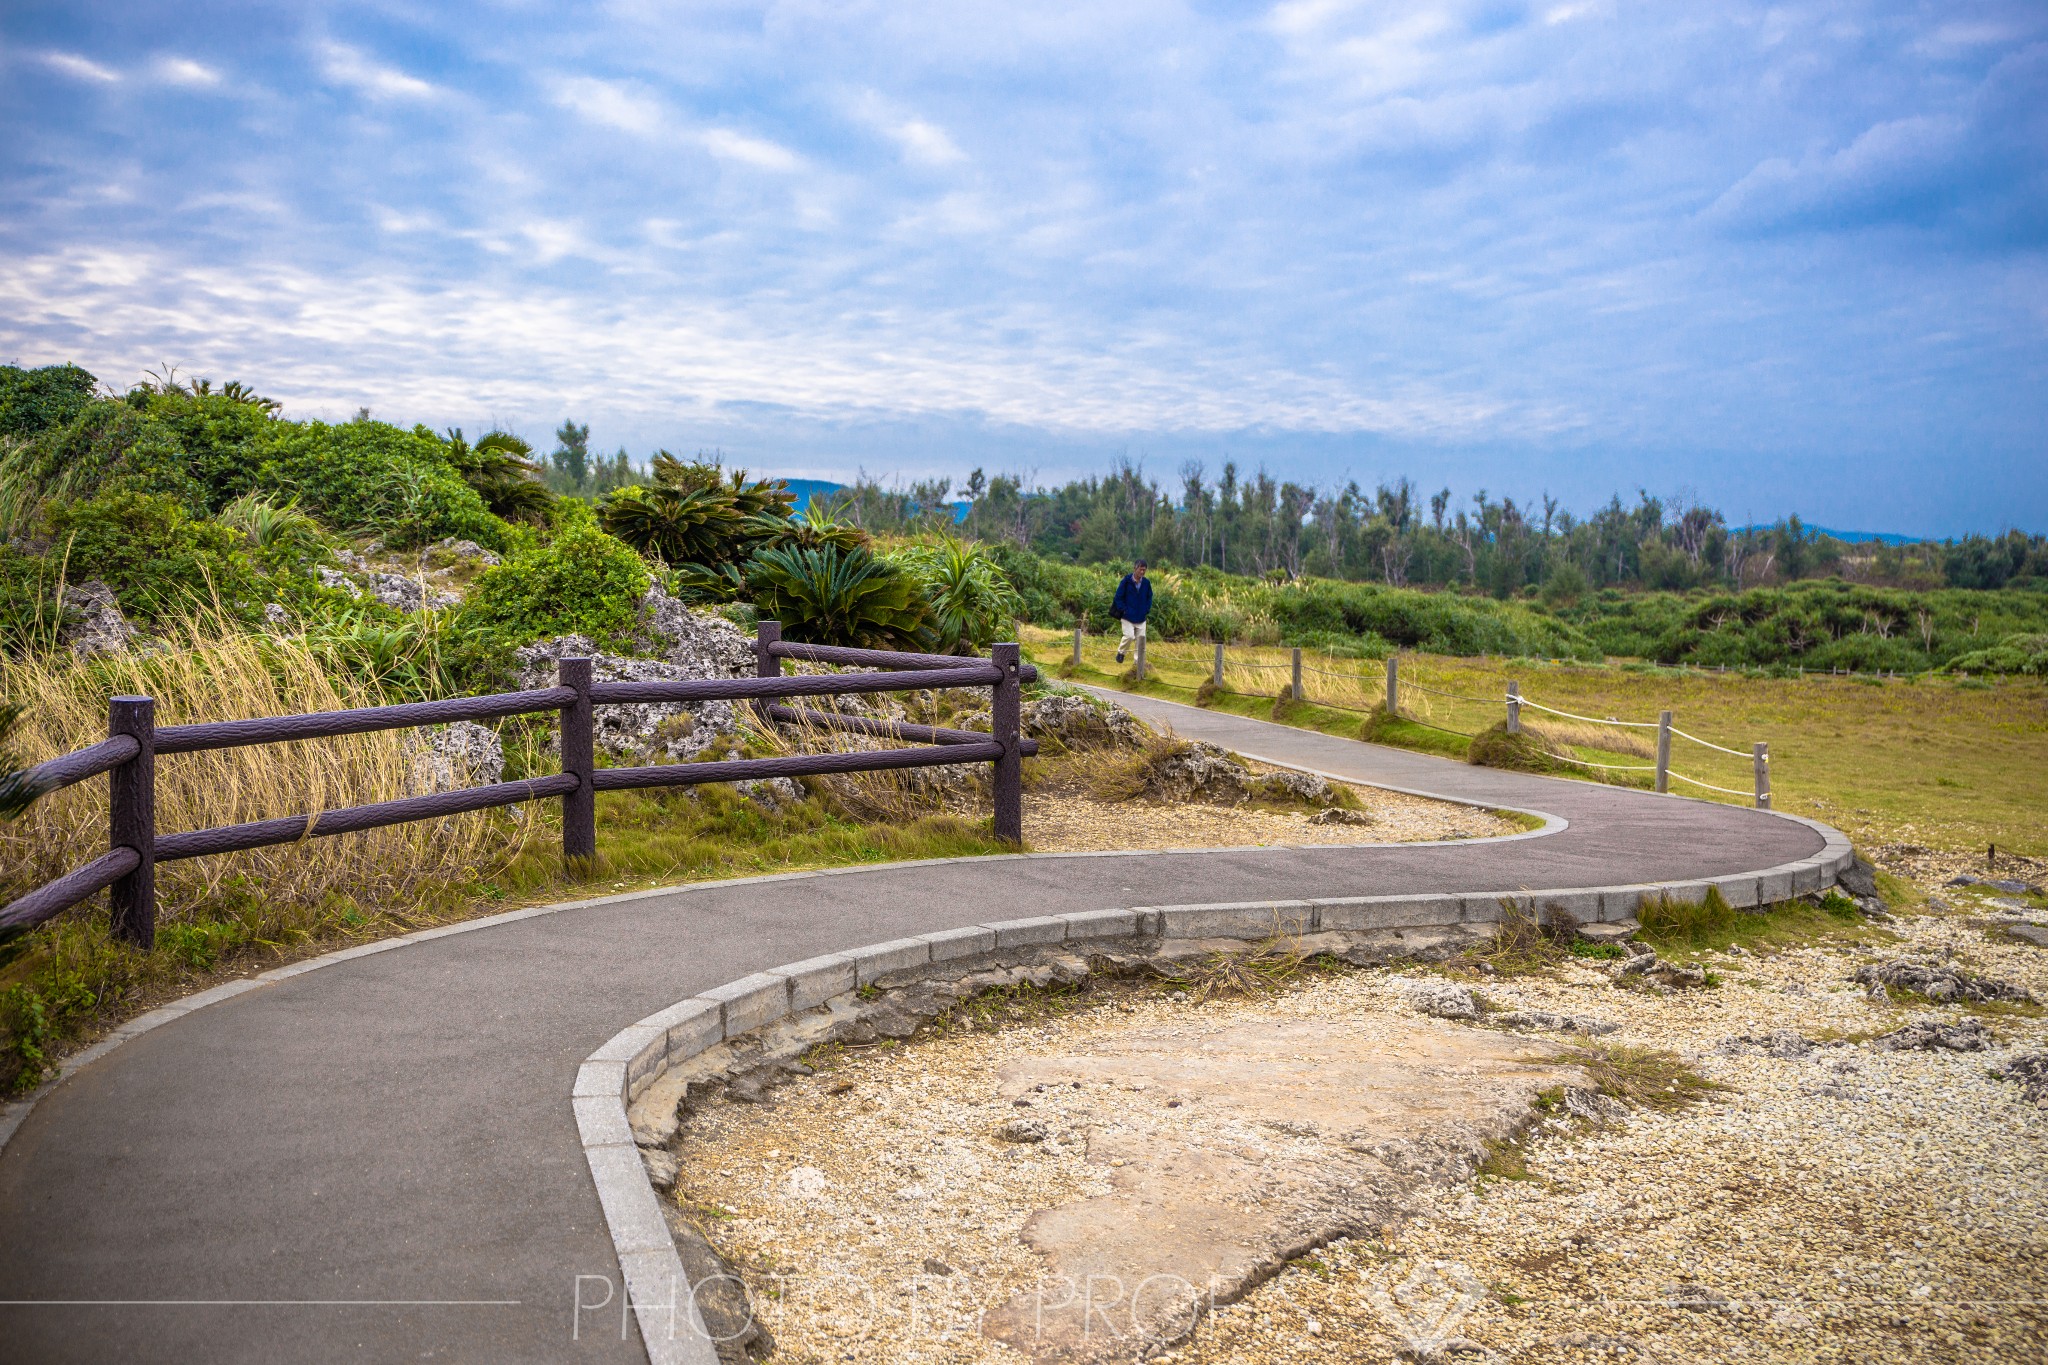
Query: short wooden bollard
x=1514, y=707
x=1297, y=675
x=1005, y=718
x=1216, y=673
x=1077, y=647
x=1140, y=665
x=1762, y=759
x=1393, y=685
x=1663, y=751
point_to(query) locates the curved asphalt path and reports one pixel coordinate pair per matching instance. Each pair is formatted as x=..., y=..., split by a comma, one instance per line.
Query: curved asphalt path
x=377, y=1160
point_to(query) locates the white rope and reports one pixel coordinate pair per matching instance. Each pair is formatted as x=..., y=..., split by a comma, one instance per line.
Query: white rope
x=1615, y=767
x=1706, y=743
x=1708, y=785
x=1572, y=715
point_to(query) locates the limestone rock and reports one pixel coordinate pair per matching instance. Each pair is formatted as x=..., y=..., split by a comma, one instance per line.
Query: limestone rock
x=464, y=549
x=1444, y=999
x=408, y=594
x=1023, y=1130
x=1076, y=723
x=1338, y=815
x=101, y=628
x=1200, y=772
x=1931, y=1035
x=2011, y=886
x=662, y=1168
x=1285, y=785
x=1780, y=1043
x=459, y=754
x=336, y=579
x=1554, y=1023
x=2029, y=1072
x=1940, y=981
x=653, y=732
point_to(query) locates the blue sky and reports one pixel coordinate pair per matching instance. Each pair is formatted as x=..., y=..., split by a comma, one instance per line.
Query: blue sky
x=1784, y=258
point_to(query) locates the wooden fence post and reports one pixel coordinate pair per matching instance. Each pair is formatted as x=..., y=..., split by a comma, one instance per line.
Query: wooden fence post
x=1216, y=674
x=1663, y=751
x=1297, y=675
x=1141, y=656
x=131, y=820
x=766, y=665
x=1077, y=644
x=1005, y=715
x=1763, y=776
x=1514, y=707
x=579, y=760
x=1393, y=685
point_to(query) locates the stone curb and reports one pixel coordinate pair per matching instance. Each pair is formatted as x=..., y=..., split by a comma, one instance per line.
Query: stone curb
x=618, y=1073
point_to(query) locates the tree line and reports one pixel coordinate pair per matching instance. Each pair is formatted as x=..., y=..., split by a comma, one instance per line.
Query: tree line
x=1263, y=527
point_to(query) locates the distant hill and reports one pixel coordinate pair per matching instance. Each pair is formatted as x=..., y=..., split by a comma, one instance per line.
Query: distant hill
x=1849, y=537
x=805, y=489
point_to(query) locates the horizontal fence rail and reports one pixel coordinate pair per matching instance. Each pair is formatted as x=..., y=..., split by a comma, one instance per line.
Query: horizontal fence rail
x=128, y=756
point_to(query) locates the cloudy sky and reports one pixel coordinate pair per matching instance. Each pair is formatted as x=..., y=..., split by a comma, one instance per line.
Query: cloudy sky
x=1784, y=258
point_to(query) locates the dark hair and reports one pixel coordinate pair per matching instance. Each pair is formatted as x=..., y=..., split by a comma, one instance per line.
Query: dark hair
x=1140, y=564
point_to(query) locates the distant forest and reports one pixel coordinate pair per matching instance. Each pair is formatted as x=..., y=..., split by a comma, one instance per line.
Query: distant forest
x=1263, y=527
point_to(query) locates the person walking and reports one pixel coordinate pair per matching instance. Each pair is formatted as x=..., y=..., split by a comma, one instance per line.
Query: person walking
x=1133, y=603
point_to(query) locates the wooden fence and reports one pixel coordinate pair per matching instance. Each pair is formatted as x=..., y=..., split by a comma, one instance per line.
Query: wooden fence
x=134, y=742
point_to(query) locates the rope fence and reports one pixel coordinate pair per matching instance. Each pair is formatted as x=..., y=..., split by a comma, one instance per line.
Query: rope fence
x=1407, y=699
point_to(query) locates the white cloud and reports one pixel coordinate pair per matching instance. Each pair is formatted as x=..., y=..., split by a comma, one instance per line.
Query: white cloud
x=612, y=104
x=727, y=145
x=346, y=66
x=80, y=68
x=186, y=72
x=928, y=144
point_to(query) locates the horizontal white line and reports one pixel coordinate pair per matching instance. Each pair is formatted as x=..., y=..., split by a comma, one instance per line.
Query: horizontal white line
x=260, y=1303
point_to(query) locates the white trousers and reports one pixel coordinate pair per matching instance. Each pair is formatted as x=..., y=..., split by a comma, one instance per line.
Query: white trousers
x=1133, y=630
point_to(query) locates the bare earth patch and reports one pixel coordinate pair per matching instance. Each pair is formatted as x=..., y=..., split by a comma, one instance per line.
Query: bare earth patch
x=1838, y=1203
x=1071, y=822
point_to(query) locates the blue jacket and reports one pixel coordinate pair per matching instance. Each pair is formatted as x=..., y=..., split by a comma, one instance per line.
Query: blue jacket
x=1133, y=600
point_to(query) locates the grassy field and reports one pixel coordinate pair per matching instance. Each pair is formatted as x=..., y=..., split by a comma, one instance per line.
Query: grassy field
x=1939, y=762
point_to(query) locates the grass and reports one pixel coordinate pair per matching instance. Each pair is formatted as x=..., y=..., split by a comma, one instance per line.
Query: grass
x=1939, y=762
x=1676, y=929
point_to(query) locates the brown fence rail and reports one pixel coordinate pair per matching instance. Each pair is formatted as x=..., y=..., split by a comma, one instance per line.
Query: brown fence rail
x=129, y=752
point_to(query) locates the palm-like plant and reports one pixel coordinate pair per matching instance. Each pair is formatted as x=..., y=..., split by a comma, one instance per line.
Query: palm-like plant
x=676, y=525
x=278, y=527
x=697, y=515
x=834, y=596
x=971, y=602
x=696, y=583
x=502, y=470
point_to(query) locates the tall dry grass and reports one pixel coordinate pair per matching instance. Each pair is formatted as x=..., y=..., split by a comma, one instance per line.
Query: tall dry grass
x=204, y=670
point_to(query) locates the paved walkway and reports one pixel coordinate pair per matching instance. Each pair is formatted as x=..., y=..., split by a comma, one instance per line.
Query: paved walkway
x=377, y=1160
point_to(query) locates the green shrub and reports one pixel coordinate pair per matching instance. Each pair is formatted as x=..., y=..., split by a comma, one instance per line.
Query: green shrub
x=836, y=596
x=1494, y=747
x=583, y=582
x=158, y=561
x=371, y=476
x=109, y=446
x=33, y=401
x=971, y=602
x=2027, y=654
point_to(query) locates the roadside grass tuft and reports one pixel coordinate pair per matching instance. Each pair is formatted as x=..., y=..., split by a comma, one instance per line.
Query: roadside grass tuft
x=1651, y=1078
x=1679, y=929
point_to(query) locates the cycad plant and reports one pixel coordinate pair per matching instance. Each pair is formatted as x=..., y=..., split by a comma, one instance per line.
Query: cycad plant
x=971, y=601
x=697, y=515
x=502, y=470
x=834, y=596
